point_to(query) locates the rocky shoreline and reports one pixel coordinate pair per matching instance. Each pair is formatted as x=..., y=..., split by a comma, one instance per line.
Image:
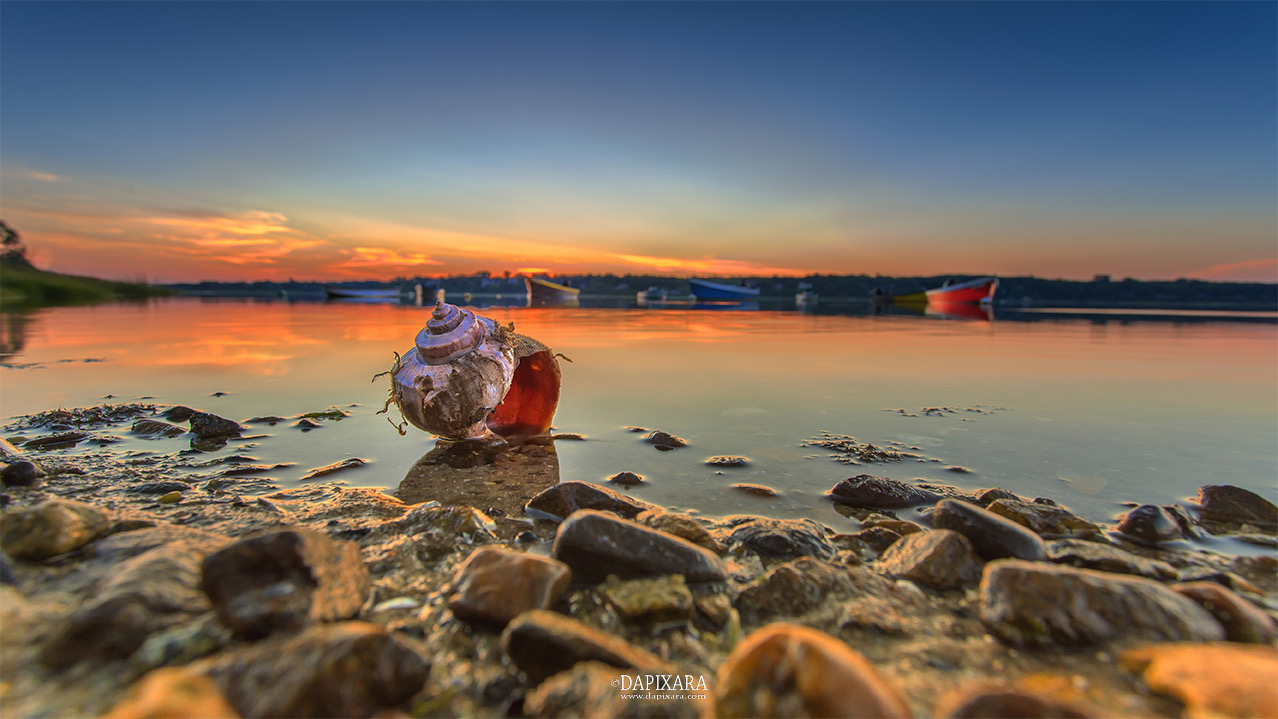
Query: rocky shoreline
x=132, y=590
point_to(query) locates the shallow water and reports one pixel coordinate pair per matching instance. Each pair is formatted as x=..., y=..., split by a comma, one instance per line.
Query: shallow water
x=1092, y=409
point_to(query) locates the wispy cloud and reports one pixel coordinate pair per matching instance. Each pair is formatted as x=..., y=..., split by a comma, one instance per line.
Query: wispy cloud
x=1264, y=270
x=382, y=257
x=706, y=265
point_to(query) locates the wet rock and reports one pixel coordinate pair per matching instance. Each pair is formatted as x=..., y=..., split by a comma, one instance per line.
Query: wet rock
x=800, y=586
x=160, y=487
x=1043, y=519
x=50, y=528
x=626, y=479
x=993, y=536
x=154, y=428
x=991, y=700
x=334, y=467
x=122, y=545
x=986, y=497
x=438, y=531
x=285, y=579
x=596, y=545
x=180, y=644
x=1242, y=620
x=208, y=426
x=594, y=689
x=166, y=693
x=495, y=585
x=1030, y=603
x=681, y=525
x=306, y=425
x=1211, y=680
x=543, y=643
x=659, y=600
x=664, y=441
x=1106, y=558
x=727, y=461
x=872, y=492
x=785, y=538
x=713, y=610
x=758, y=490
x=61, y=440
x=177, y=413
x=941, y=559
x=350, y=669
x=900, y=526
x=563, y=499
x=880, y=538
x=1150, y=523
x=789, y=670
x=6, y=570
x=1227, y=503
x=23, y=473
x=143, y=594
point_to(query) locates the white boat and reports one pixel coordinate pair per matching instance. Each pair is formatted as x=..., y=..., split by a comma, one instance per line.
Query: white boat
x=709, y=290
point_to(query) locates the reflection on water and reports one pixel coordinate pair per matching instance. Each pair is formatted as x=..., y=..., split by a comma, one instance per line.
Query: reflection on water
x=1100, y=410
x=495, y=477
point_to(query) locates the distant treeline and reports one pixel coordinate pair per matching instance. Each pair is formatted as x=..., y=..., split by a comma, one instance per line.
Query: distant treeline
x=1014, y=291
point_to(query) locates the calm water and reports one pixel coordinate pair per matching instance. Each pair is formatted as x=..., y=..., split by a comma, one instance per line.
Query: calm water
x=1093, y=411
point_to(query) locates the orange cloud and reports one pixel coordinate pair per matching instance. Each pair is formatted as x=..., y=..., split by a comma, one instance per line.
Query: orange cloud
x=249, y=223
x=709, y=266
x=1250, y=271
x=382, y=256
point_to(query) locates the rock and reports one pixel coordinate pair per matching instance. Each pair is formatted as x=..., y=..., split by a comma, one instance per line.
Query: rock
x=1030, y=603
x=6, y=570
x=177, y=413
x=180, y=644
x=1211, y=680
x=154, y=428
x=803, y=585
x=594, y=689
x=664, y=441
x=285, y=579
x=141, y=595
x=713, y=610
x=757, y=490
x=350, y=669
x=1227, y=503
x=941, y=559
x=1043, y=519
x=495, y=585
x=785, y=538
x=122, y=545
x=596, y=545
x=986, y=497
x=438, y=531
x=626, y=479
x=900, y=526
x=991, y=700
x=543, y=643
x=563, y=499
x=659, y=600
x=681, y=525
x=866, y=490
x=1242, y=620
x=1150, y=523
x=171, y=693
x=334, y=467
x=160, y=487
x=993, y=536
x=880, y=538
x=23, y=473
x=785, y=670
x=1107, y=558
x=50, y=528
x=61, y=440
x=208, y=426
x=727, y=461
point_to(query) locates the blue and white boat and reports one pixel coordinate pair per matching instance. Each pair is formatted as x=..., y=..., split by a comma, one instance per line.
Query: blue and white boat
x=708, y=290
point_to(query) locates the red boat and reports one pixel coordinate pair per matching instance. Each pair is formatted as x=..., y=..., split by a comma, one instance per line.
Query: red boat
x=980, y=290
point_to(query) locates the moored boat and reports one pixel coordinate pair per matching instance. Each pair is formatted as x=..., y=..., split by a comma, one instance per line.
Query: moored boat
x=979, y=290
x=708, y=290
x=545, y=292
x=362, y=293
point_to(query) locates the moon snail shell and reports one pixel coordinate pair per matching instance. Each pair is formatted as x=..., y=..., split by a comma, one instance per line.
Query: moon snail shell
x=466, y=377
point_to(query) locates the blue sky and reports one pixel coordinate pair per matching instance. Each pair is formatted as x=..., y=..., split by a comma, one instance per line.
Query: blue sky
x=319, y=140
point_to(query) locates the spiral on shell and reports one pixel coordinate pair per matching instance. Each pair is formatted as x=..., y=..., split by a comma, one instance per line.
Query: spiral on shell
x=466, y=377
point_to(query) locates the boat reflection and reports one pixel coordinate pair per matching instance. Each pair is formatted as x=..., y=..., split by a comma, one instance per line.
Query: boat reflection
x=725, y=305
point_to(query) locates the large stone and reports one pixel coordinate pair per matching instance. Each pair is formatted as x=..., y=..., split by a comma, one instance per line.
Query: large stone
x=349, y=669
x=785, y=538
x=562, y=500
x=993, y=536
x=210, y=426
x=122, y=545
x=1107, y=558
x=1150, y=523
x=142, y=595
x=1030, y=603
x=1227, y=503
x=50, y=528
x=154, y=428
x=983, y=699
x=1242, y=620
x=681, y=525
x=1212, y=680
x=597, y=545
x=941, y=559
x=865, y=490
x=594, y=689
x=22, y=473
x=496, y=585
x=803, y=585
x=543, y=643
x=657, y=600
x=1043, y=519
x=787, y=670
x=171, y=693
x=285, y=579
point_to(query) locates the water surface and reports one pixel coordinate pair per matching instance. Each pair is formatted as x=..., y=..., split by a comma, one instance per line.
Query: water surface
x=1093, y=410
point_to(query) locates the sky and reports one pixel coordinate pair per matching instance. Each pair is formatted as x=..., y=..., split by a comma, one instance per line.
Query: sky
x=188, y=141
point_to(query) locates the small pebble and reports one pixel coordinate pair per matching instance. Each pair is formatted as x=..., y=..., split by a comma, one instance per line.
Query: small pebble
x=170, y=498
x=757, y=490
x=727, y=461
x=626, y=479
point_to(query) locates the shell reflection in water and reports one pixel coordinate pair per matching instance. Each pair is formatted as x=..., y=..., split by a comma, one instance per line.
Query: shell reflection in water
x=469, y=378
